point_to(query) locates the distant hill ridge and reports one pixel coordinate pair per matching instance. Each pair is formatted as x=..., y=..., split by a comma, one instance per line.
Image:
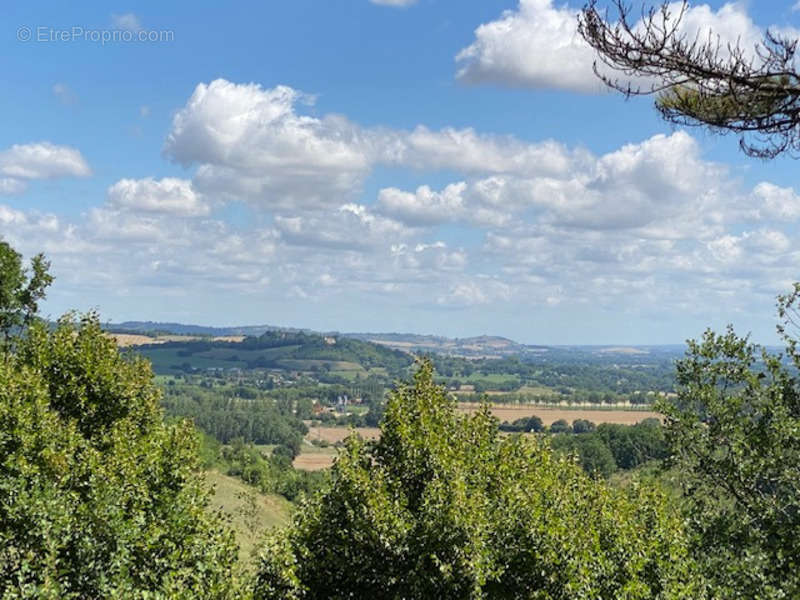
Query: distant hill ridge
x=151, y=327
x=482, y=346
x=476, y=346
x=256, y=330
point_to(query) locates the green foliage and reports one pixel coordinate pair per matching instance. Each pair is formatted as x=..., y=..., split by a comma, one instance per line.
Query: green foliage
x=273, y=475
x=593, y=455
x=20, y=292
x=584, y=376
x=720, y=108
x=99, y=498
x=634, y=445
x=734, y=430
x=316, y=347
x=560, y=426
x=227, y=415
x=375, y=412
x=442, y=506
x=209, y=450
x=279, y=350
x=524, y=425
x=608, y=447
x=583, y=426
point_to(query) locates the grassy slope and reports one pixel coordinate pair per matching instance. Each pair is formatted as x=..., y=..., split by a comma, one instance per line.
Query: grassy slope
x=271, y=510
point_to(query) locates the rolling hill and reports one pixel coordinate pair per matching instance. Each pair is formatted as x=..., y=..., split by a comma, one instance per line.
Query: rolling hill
x=277, y=350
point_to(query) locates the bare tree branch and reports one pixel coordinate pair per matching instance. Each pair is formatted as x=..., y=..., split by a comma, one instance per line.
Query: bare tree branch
x=700, y=80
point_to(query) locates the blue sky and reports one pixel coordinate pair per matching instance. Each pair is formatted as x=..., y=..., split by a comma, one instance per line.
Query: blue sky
x=429, y=166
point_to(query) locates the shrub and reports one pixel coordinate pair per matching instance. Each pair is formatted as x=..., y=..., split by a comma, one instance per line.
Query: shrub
x=99, y=497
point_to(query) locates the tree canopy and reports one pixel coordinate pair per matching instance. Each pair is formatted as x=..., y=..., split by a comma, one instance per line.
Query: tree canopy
x=442, y=506
x=734, y=433
x=99, y=497
x=700, y=79
x=20, y=290
x=734, y=430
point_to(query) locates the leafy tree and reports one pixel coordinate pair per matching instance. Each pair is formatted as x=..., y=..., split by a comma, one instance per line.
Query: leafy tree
x=591, y=452
x=375, y=411
x=634, y=445
x=99, y=498
x=273, y=475
x=611, y=446
x=699, y=79
x=442, y=506
x=583, y=426
x=532, y=424
x=260, y=420
x=734, y=430
x=560, y=426
x=20, y=291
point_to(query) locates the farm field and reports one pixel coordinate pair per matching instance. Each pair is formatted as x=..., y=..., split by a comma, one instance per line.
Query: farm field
x=313, y=458
x=127, y=340
x=550, y=415
x=338, y=434
x=337, y=366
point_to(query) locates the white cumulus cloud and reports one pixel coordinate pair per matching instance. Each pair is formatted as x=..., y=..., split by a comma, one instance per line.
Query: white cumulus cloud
x=250, y=142
x=777, y=202
x=423, y=207
x=660, y=187
x=42, y=161
x=255, y=144
x=521, y=224
x=167, y=195
x=351, y=227
x=538, y=46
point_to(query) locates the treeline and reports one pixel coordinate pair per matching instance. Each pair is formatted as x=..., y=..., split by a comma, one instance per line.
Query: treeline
x=609, y=447
x=561, y=396
x=272, y=416
x=600, y=449
x=258, y=420
x=371, y=387
x=586, y=372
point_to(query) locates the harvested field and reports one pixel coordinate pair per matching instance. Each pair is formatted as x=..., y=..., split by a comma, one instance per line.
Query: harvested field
x=314, y=458
x=126, y=340
x=551, y=415
x=229, y=338
x=315, y=461
x=337, y=434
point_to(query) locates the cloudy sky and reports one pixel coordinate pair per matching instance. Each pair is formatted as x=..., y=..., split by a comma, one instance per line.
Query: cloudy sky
x=379, y=165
